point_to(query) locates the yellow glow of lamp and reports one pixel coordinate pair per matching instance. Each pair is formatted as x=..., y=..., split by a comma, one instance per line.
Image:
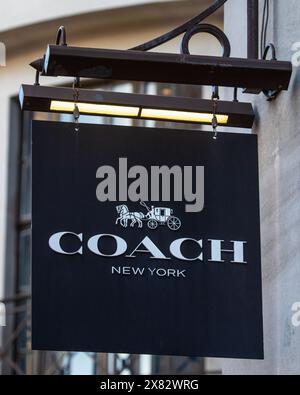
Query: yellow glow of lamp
x=96, y=109
x=147, y=113
x=136, y=106
x=183, y=116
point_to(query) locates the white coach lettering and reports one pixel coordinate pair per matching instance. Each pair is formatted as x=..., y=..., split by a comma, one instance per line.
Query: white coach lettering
x=150, y=248
x=175, y=249
x=218, y=254
x=238, y=251
x=93, y=245
x=54, y=243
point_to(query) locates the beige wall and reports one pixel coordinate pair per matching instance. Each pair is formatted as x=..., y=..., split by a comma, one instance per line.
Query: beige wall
x=22, y=13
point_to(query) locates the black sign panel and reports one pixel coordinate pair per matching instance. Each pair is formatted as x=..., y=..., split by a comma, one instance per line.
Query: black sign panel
x=146, y=271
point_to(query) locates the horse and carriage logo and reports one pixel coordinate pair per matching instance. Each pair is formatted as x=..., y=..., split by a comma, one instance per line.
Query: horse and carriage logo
x=154, y=217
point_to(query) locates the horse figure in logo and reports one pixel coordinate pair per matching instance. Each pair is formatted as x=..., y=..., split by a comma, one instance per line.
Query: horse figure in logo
x=125, y=215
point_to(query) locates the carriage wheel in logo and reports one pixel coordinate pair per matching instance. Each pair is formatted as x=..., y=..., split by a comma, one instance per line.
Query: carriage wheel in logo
x=174, y=223
x=152, y=224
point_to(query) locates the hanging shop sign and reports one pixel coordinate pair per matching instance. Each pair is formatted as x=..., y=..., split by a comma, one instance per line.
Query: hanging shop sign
x=145, y=241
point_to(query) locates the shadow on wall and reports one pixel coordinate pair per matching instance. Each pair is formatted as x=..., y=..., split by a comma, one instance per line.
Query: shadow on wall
x=2, y=314
x=2, y=55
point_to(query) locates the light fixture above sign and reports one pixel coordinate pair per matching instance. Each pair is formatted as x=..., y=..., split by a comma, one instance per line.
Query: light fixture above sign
x=177, y=109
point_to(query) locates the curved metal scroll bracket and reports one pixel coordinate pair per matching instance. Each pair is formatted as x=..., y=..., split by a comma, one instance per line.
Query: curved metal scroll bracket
x=206, y=28
x=61, y=38
x=191, y=27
